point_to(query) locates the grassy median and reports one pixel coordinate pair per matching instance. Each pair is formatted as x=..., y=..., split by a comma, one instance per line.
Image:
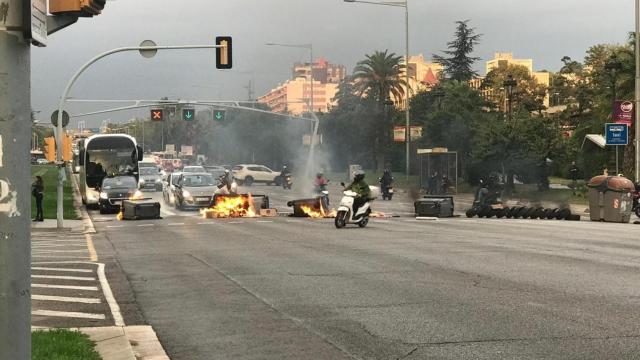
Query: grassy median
x=62, y=344
x=49, y=175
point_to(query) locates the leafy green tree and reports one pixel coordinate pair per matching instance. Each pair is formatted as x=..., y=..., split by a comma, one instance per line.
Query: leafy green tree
x=457, y=61
x=377, y=77
x=528, y=93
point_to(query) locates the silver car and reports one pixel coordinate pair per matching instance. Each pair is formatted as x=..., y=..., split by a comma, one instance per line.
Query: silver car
x=194, y=190
x=169, y=187
x=150, y=178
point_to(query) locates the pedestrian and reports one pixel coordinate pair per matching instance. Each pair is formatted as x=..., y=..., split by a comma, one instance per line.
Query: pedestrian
x=37, y=190
x=573, y=175
x=4, y=12
x=433, y=184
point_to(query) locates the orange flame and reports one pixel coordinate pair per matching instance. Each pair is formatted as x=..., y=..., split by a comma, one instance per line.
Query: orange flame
x=231, y=206
x=136, y=196
x=120, y=215
x=315, y=214
x=378, y=214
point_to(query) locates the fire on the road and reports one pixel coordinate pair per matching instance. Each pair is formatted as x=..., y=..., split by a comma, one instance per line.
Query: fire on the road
x=316, y=214
x=138, y=195
x=231, y=206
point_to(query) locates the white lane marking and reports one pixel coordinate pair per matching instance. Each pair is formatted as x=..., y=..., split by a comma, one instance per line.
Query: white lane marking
x=236, y=222
x=79, y=300
x=59, y=257
x=58, y=251
x=115, y=226
x=57, y=242
x=265, y=221
x=206, y=223
x=66, y=287
x=79, y=278
x=175, y=224
x=68, y=314
x=61, y=269
x=146, y=225
x=46, y=246
x=108, y=295
x=86, y=262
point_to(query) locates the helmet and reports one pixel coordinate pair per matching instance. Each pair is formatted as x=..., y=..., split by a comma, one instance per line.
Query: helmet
x=226, y=171
x=319, y=175
x=358, y=175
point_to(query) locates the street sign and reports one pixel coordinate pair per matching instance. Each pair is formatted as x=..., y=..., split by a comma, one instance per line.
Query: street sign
x=623, y=112
x=157, y=114
x=616, y=134
x=36, y=29
x=188, y=114
x=219, y=115
x=65, y=118
x=150, y=52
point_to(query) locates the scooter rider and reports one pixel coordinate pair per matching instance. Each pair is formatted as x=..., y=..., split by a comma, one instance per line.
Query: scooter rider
x=320, y=183
x=226, y=181
x=361, y=188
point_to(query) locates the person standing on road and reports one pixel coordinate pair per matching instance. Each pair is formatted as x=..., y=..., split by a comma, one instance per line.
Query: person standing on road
x=573, y=174
x=37, y=190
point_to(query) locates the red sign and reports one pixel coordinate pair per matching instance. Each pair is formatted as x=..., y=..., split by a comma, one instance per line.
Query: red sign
x=156, y=114
x=623, y=112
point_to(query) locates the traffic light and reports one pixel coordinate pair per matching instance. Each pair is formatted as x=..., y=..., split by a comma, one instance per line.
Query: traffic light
x=157, y=115
x=50, y=149
x=188, y=114
x=67, y=152
x=219, y=115
x=224, y=54
x=82, y=8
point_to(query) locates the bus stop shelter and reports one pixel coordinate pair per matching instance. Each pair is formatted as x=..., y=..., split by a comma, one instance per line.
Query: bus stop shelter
x=438, y=161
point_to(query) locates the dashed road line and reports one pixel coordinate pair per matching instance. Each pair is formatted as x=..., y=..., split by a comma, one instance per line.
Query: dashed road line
x=80, y=300
x=61, y=269
x=59, y=251
x=66, y=287
x=265, y=221
x=68, y=314
x=175, y=224
x=115, y=226
x=78, y=278
x=146, y=225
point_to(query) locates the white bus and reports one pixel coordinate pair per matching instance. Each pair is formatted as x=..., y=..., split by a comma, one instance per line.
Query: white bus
x=105, y=155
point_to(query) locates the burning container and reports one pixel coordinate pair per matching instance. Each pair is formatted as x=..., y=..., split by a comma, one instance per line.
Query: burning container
x=610, y=198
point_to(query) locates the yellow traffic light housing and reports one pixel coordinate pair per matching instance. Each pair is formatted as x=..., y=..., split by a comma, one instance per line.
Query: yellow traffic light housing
x=82, y=8
x=50, y=149
x=67, y=152
x=224, y=54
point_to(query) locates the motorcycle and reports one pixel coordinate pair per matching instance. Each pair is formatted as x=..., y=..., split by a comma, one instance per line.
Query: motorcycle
x=346, y=215
x=323, y=193
x=387, y=190
x=226, y=188
x=287, y=182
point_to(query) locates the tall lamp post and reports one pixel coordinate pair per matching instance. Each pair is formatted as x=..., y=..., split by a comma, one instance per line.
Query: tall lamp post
x=510, y=85
x=403, y=4
x=637, y=92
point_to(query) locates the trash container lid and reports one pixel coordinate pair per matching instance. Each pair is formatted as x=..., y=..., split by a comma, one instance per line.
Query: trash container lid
x=611, y=183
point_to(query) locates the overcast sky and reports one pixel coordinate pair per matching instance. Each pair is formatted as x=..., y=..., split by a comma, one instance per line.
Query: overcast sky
x=545, y=30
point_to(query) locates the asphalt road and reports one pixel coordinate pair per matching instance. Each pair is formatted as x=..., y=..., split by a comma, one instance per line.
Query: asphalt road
x=285, y=288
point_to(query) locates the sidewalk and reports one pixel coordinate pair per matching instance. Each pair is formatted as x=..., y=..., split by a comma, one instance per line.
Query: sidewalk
x=70, y=290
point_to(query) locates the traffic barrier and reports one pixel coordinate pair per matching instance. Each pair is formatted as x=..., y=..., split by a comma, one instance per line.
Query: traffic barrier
x=522, y=212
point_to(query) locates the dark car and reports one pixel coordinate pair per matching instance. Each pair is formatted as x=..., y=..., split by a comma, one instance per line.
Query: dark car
x=194, y=190
x=150, y=178
x=116, y=189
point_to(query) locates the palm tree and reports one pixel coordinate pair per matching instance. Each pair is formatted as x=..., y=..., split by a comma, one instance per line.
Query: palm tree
x=379, y=77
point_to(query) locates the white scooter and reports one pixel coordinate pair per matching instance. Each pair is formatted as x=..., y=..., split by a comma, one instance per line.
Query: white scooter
x=345, y=214
x=227, y=190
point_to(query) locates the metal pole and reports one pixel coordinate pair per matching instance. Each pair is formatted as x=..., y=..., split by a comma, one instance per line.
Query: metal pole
x=311, y=65
x=617, y=167
x=65, y=95
x=637, y=92
x=15, y=204
x=407, y=112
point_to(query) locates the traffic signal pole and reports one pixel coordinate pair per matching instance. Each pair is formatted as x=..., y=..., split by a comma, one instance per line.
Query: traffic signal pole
x=65, y=96
x=15, y=202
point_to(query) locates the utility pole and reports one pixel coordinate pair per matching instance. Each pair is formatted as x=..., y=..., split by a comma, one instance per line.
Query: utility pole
x=15, y=198
x=637, y=92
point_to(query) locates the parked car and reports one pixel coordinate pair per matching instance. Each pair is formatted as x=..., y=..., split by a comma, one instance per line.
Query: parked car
x=150, y=178
x=194, y=190
x=169, y=187
x=215, y=170
x=193, y=169
x=114, y=190
x=247, y=174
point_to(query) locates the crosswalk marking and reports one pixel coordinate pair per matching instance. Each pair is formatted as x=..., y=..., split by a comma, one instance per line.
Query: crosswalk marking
x=79, y=278
x=58, y=251
x=80, y=300
x=61, y=269
x=69, y=314
x=67, y=287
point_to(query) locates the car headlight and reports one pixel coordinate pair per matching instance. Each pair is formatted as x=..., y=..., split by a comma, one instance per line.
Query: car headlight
x=186, y=193
x=138, y=194
x=142, y=181
x=104, y=196
x=158, y=181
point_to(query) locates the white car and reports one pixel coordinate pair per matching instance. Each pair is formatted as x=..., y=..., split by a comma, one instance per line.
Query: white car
x=193, y=169
x=42, y=161
x=247, y=174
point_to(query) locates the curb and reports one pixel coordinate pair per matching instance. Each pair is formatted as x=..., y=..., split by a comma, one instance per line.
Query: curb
x=77, y=204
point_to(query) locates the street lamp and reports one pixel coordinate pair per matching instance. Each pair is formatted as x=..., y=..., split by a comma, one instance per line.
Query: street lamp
x=310, y=48
x=403, y=4
x=510, y=85
x=613, y=65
